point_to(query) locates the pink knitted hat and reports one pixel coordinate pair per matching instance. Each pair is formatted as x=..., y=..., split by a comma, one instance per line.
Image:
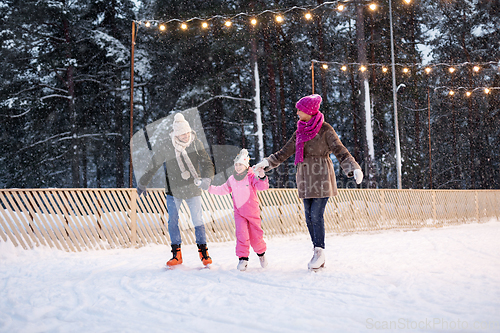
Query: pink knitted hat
x=309, y=104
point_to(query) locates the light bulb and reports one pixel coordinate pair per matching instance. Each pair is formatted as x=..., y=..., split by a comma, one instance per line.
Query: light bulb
x=253, y=21
x=184, y=26
x=279, y=18
x=228, y=23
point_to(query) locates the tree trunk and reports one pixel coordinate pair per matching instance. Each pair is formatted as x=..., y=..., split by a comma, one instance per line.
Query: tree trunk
x=365, y=93
x=118, y=114
x=321, y=48
x=70, y=83
x=258, y=142
x=271, y=79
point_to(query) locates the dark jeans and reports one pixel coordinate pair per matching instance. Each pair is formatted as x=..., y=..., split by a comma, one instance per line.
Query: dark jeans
x=314, y=209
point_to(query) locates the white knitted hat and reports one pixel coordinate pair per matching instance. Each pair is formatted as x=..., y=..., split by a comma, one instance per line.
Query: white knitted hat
x=243, y=158
x=180, y=125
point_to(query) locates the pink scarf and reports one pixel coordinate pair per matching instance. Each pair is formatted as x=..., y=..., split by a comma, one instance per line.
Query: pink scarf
x=305, y=132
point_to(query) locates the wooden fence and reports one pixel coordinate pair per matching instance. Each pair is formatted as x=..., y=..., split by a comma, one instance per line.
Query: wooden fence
x=81, y=219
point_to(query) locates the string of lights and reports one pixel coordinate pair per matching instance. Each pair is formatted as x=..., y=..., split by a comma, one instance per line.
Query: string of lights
x=428, y=68
x=453, y=91
x=279, y=15
x=340, y=6
x=308, y=15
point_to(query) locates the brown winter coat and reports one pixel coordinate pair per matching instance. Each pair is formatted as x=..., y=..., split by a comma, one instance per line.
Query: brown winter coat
x=316, y=175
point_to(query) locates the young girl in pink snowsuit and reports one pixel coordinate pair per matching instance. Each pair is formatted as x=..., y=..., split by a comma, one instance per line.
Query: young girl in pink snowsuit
x=243, y=185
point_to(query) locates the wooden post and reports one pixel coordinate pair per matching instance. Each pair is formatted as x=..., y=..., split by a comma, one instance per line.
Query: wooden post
x=434, y=209
x=382, y=206
x=312, y=74
x=133, y=217
x=477, y=206
x=131, y=101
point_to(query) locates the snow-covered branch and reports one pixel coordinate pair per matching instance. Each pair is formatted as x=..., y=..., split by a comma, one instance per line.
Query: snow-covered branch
x=81, y=136
x=64, y=136
x=54, y=88
x=55, y=96
x=43, y=141
x=227, y=97
x=42, y=162
x=16, y=115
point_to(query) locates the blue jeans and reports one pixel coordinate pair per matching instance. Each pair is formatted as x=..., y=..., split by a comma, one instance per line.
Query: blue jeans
x=194, y=204
x=314, y=209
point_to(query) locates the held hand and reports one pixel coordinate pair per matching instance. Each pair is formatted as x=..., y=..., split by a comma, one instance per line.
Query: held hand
x=262, y=174
x=204, y=183
x=358, y=176
x=261, y=165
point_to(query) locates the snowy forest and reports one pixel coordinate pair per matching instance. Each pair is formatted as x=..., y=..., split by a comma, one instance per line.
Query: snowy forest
x=66, y=76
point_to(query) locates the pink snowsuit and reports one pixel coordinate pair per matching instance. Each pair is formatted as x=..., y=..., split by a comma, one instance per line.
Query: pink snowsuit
x=246, y=211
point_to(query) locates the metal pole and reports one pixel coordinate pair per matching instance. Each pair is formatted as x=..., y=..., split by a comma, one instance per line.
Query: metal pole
x=430, y=150
x=312, y=75
x=131, y=101
x=395, y=102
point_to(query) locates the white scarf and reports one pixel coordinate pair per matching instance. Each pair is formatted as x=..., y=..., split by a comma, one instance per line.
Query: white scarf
x=180, y=150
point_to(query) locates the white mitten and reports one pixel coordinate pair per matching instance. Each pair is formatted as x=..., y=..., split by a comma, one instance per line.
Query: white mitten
x=205, y=183
x=358, y=176
x=262, y=174
x=261, y=165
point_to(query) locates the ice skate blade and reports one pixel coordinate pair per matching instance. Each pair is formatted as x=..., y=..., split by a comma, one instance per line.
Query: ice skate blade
x=185, y=268
x=171, y=268
x=317, y=269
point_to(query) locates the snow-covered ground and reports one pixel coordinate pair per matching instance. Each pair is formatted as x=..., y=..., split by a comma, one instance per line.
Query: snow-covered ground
x=432, y=280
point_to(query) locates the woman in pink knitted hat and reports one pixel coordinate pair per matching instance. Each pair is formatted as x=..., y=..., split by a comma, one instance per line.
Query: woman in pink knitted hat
x=312, y=143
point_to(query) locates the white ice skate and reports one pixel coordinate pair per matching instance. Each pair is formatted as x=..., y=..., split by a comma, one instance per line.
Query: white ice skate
x=242, y=265
x=263, y=260
x=318, y=260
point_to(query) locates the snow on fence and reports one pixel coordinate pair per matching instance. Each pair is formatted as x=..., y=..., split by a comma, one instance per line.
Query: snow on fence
x=81, y=219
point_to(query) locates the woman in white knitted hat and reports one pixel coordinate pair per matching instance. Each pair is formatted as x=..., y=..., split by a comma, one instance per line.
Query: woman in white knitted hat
x=188, y=169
